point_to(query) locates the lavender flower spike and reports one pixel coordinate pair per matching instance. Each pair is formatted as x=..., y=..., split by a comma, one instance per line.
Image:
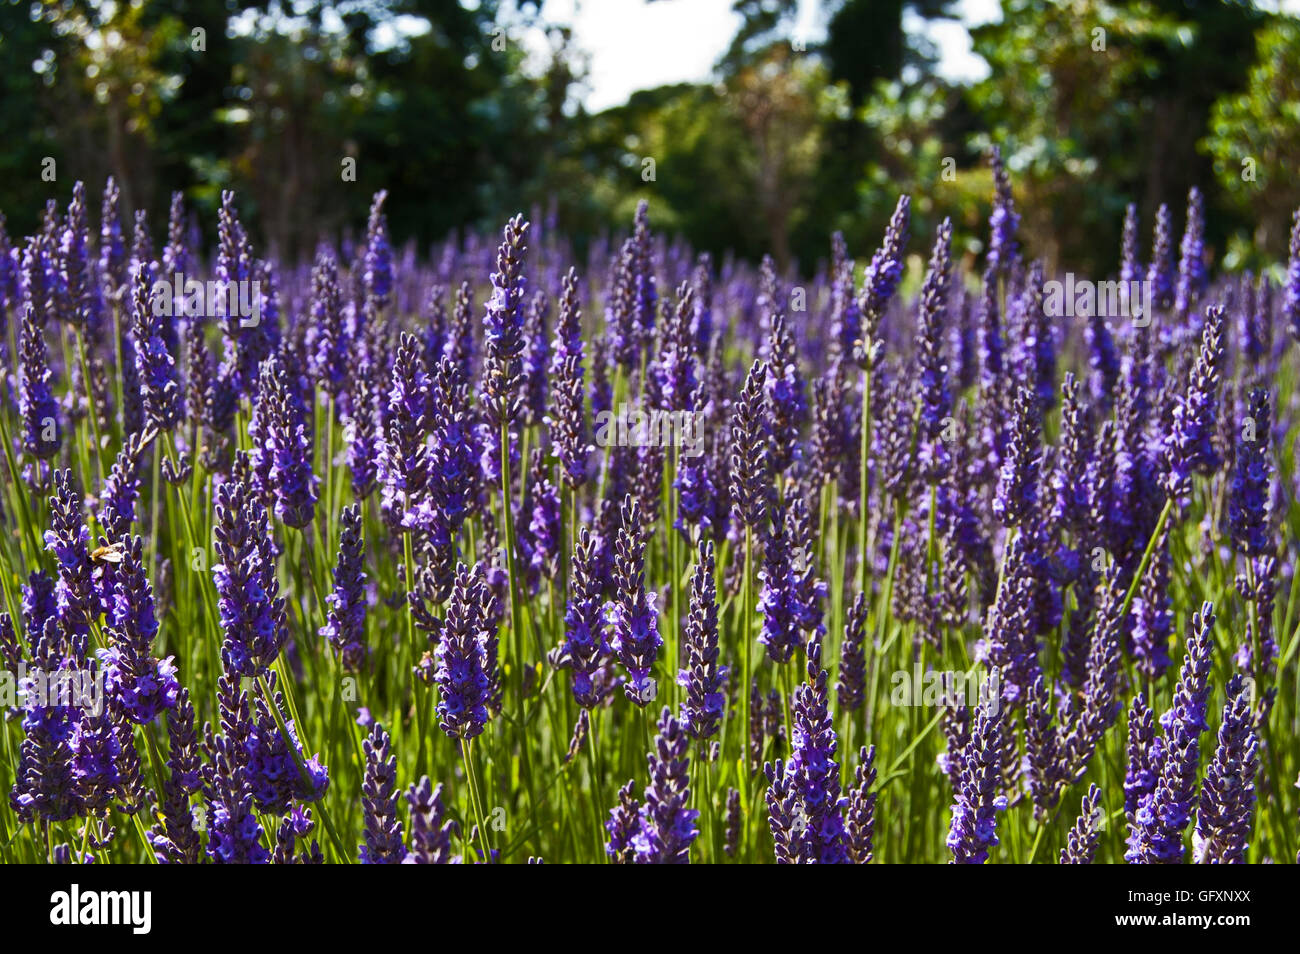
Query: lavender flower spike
x=1081, y=842
x=1164, y=814
x=636, y=639
x=973, y=828
x=1190, y=446
x=879, y=284
x=249, y=604
x=1250, y=489
x=750, y=462
x=820, y=827
x=703, y=678
x=36, y=404
x=667, y=825
x=155, y=365
x=504, y=326
x=1228, y=795
x=383, y=829
x=464, y=656
x=1004, y=221
x=345, y=622
x=585, y=646
x=1291, y=303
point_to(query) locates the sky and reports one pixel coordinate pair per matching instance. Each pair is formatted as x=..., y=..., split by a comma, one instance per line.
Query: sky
x=637, y=45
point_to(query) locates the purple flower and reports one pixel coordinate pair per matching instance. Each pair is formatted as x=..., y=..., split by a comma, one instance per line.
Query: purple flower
x=878, y=286
x=1192, y=280
x=174, y=838
x=544, y=528
x=345, y=622
x=112, y=250
x=452, y=462
x=1086, y=724
x=249, y=604
x=979, y=777
x=820, y=823
x=778, y=600
x=677, y=376
x=1069, y=481
x=273, y=774
x=702, y=317
x=44, y=784
x=623, y=825
x=702, y=677
x=991, y=346
x=1190, y=447
x=1143, y=765
x=1016, y=501
x=567, y=422
x=1152, y=619
x=787, y=401
x=329, y=360
x=635, y=622
x=1011, y=644
x=933, y=396
x=36, y=405
x=1004, y=221
x=1228, y=795
x=139, y=685
x=234, y=833
x=666, y=825
x=155, y=365
x=1036, y=359
x=750, y=462
x=97, y=761
x=1291, y=301
x=282, y=452
x=1250, y=488
x=76, y=292
x=645, y=299
x=853, y=660
x=1045, y=767
x=379, y=255
x=176, y=253
x=431, y=831
x=464, y=657
x=503, y=337
x=1130, y=269
x=1160, y=273
x=1081, y=842
x=1163, y=815
x=69, y=539
x=383, y=827
x=585, y=647
x=697, y=493
x=364, y=434
x=404, y=458
x=860, y=816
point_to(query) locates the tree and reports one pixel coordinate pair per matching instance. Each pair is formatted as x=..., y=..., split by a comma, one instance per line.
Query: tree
x=1254, y=137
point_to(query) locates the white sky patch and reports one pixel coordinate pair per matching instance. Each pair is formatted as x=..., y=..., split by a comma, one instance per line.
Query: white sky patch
x=636, y=45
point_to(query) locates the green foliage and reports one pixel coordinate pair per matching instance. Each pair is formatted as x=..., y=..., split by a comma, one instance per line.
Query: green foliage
x=1254, y=136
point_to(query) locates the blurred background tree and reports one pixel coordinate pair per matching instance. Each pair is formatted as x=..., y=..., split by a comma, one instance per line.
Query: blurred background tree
x=1254, y=140
x=1095, y=103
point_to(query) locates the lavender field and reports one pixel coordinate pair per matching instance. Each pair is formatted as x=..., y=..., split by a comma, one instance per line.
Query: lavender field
x=503, y=554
